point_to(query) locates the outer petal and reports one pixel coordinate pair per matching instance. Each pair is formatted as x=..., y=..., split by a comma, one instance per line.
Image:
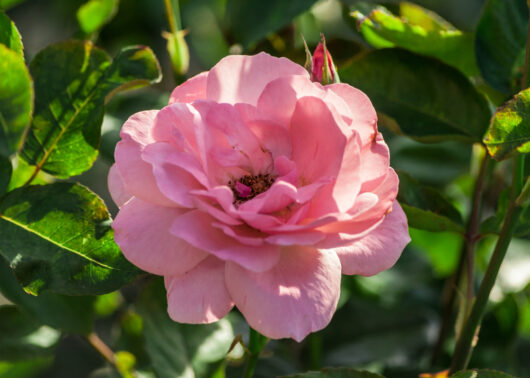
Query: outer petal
x=196, y=228
x=191, y=90
x=378, y=250
x=117, y=190
x=298, y=296
x=142, y=232
x=200, y=295
x=238, y=78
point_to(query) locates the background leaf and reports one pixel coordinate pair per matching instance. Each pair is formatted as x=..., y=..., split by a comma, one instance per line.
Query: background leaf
x=16, y=100
x=5, y=174
x=9, y=35
x=482, y=373
x=68, y=313
x=180, y=350
x=499, y=42
x=421, y=97
x=336, y=373
x=92, y=15
x=509, y=129
x=58, y=237
x=73, y=79
x=6, y=4
x=252, y=20
x=420, y=31
x=426, y=208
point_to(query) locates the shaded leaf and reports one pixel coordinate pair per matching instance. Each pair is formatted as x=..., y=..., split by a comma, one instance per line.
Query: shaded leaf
x=421, y=97
x=68, y=313
x=16, y=100
x=420, y=31
x=92, y=15
x=426, y=208
x=342, y=372
x=482, y=373
x=509, y=129
x=73, y=80
x=25, y=369
x=5, y=174
x=9, y=35
x=500, y=42
x=252, y=20
x=6, y=4
x=493, y=225
x=58, y=237
x=180, y=350
x=22, y=337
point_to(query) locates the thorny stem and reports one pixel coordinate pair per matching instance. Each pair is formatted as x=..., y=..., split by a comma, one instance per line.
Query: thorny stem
x=102, y=348
x=255, y=345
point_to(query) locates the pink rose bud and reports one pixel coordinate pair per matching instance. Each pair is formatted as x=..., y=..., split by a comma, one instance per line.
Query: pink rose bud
x=323, y=70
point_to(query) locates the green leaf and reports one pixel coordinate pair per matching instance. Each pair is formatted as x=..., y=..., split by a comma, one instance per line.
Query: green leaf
x=493, y=225
x=482, y=373
x=25, y=369
x=180, y=350
x=426, y=208
x=421, y=97
x=5, y=174
x=67, y=313
x=252, y=20
x=500, y=43
x=509, y=130
x=22, y=171
x=420, y=31
x=73, y=81
x=6, y=4
x=9, y=35
x=342, y=372
x=58, y=237
x=524, y=197
x=16, y=100
x=22, y=337
x=94, y=14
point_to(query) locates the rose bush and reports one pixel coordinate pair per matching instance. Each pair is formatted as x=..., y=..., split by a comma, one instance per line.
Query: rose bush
x=258, y=188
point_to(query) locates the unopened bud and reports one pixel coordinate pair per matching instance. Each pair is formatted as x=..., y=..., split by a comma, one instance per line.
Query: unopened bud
x=178, y=52
x=323, y=69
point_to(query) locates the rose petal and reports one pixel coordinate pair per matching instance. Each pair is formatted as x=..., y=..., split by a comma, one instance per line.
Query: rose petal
x=117, y=190
x=298, y=296
x=191, y=90
x=238, y=78
x=142, y=232
x=199, y=295
x=378, y=250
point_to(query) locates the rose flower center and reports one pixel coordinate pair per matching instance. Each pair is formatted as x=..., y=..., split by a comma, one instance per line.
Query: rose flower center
x=248, y=187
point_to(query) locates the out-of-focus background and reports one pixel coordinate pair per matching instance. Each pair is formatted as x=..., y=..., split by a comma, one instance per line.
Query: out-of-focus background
x=388, y=323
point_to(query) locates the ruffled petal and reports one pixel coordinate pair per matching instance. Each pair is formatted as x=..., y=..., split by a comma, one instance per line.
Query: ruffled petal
x=199, y=295
x=296, y=297
x=142, y=232
x=380, y=249
x=191, y=90
x=241, y=79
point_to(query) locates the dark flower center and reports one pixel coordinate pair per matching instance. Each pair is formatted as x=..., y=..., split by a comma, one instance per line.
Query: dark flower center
x=248, y=187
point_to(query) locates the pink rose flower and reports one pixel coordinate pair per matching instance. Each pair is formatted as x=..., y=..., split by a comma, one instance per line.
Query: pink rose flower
x=258, y=188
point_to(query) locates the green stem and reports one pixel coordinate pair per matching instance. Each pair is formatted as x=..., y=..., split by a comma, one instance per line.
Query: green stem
x=465, y=343
x=173, y=15
x=255, y=345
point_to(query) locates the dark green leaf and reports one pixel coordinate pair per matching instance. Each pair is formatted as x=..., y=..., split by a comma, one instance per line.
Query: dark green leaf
x=5, y=174
x=426, y=208
x=16, y=100
x=25, y=369
x=68, y=313
x=342, y=372
x=424, y=33
x=420, y=96
x=6, y=4
x=92, y=15
x=178, y=350
x=252, y=20
x=493, y=225
x=58, y=237
x=9, y=35
x=22, y=337
x=500, y=42
x=73, y=80
x=482, y=373
x=509, y=129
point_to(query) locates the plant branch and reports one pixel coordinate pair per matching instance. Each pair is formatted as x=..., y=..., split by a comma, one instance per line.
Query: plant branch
x=173, y=15
x=102, y=348
x=255, y=345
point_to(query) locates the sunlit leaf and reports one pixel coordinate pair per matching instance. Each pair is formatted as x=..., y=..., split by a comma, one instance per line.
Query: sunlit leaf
x=16, y=100
x=509, y=129
x=58, y=237
x=92, y=15
x=73, y=80
x=500, y=42
x=418, y=30
x=419, y=96
x=6, y=4
x=9, y=35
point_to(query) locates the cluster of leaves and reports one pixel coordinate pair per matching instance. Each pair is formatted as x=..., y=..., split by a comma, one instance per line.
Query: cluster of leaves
x=434, y=87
